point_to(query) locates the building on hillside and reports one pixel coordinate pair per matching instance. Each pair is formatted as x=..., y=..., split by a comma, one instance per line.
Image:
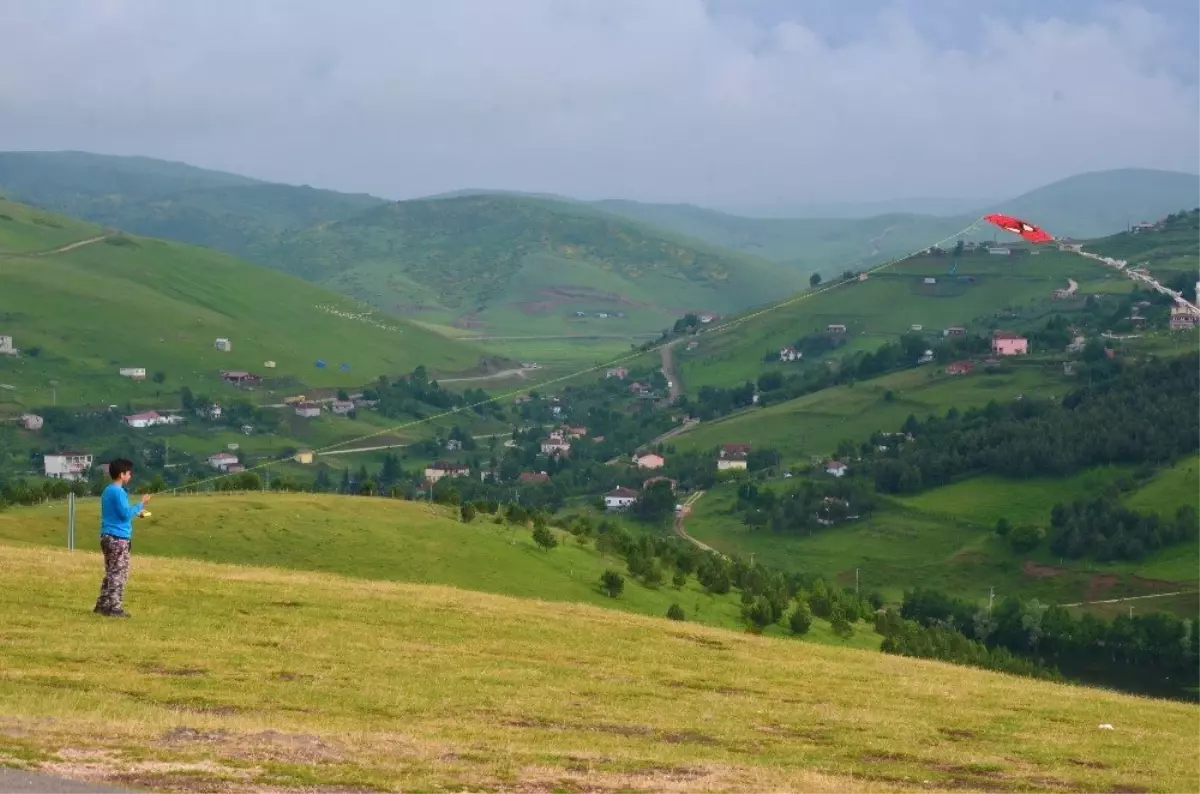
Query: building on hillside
x=790, y=354
x=67, y=465
x=575, y=431
x=341, y=407
x=706, y=317
x=303, y=456
x=1183, y=319
x=235, y=468
x=223, y=344
x=999, y=251
x=835, y=468
x=638, y=388
x=453, y=445
x=533, y=477
x=955, y=330
x=916, y=327
x=147, y=419
x=240, y=378
x=6, y=346
x=308, y=410
x=32, y=421
x=268, y=365
x=732, y=456
x=930, y=280
x=617, y=372
x=1005, y=343
x=925, y=357
x=960, y=368
x=649, y=460
x=438, y=470
x=620, y=498
x=555, y=447
x=222, y=461
x=836, y=328
x=136, y=373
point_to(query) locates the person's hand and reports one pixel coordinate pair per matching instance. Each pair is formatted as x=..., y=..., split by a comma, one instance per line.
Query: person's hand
x=145, y=498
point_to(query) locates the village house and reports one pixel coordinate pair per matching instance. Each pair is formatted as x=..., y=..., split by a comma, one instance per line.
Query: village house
x=521, y=399
x=575, y=431
x=1183, y=319
x=1005, y=343
x=999, y=251
x=533, y=477
x=790, y=354
x=303, y=456
x=617, y=372
x=925, y=357
x=836, y=328
x=223, y=344
x=706, y=317
x=32, y=421
x=835, y=468
x=960, y=368
x=136, y=373
x=6, y=346
x=67, y=465
x=620, y=498
x=930, y=280
x=955, y=330
x=213, y=411
x=308, y=410
x=556, y=447
x=147, y=419
x=240, y=378
x=341, y=407
x=438, y=470
x=833, y=510
x=222, y=461
x=649, y=460
x=637, y=388
x=732, y=456
x=453, y=445
x=916, y=327
x=268, y=365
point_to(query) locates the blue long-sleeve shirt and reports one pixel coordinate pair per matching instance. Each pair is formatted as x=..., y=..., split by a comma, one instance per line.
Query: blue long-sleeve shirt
x=116, y=513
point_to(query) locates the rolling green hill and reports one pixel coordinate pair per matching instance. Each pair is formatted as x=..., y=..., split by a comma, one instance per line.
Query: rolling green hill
x=501, y=264
x=122, y=301
x=243, y=678
x=155, y=198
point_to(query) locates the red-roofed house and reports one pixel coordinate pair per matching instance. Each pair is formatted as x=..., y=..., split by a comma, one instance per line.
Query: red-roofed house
x=960, y=368
x=836, y=468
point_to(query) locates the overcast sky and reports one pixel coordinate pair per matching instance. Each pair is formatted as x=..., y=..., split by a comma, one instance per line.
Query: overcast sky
x=724, y=102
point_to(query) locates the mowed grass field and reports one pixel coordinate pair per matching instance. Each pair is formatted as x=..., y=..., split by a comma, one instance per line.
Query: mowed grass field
x=82, y=314
x=812, y=425
x=891, y=301
x=241, y=678
x=385, y=539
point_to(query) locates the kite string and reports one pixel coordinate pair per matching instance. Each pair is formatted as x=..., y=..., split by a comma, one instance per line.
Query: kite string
x=603, y=365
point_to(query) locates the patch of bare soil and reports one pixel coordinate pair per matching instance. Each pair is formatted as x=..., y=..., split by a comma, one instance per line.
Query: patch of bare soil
x=1038, y=571
x=1100, y=584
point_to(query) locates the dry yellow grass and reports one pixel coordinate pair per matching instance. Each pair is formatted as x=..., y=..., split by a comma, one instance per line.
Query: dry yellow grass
x=249, y=679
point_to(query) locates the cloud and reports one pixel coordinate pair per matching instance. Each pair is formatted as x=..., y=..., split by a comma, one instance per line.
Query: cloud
x=663, y=100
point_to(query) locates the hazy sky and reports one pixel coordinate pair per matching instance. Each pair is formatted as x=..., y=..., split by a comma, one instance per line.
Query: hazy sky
x=725, y=102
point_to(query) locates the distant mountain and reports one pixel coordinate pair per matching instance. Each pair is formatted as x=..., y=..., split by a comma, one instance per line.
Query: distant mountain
x=506, y=263
x=175, y=201
x=1101, y=203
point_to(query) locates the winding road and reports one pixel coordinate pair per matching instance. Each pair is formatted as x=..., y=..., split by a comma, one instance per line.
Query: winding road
x=62, y=249
x=674, y=387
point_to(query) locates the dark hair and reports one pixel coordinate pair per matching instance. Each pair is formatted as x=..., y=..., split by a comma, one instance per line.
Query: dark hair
x=118, y=467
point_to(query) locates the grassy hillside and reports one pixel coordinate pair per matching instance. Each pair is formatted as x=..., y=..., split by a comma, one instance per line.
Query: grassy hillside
x=236, y=677
x=509, y=265
x=174, y=201
x=891, y=301
x=119, y=301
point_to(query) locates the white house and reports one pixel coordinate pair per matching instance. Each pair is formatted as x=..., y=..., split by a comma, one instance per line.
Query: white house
x=222, y=461
x=32, y=421
x=223, y=344
x=440, y=469
x=137, y=373
x=67, y=465
x=790, y=354
x=556, y=446
x=6, y=347
x=147, y=419
x=836, y=468
x=619, y=498
x=999, y=251
x=269, y=365
x=930, y=280
x=341, y=407
x=308, y=410
x=836, y=328
x=733, y=456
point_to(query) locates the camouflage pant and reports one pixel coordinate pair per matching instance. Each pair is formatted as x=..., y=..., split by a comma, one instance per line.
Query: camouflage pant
x=116, y=572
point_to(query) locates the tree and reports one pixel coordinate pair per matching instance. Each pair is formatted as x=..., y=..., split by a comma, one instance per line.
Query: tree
x=1025, y=538
x=468, y=513
x=679, y=579
x=342, y=395
x=800, y=620
x=1003, y=527
x=675, y=612
x=160, y=376
x=544, y=537
x=814, y=279
x=840, y=623
x=759, y=612
x=612, y=583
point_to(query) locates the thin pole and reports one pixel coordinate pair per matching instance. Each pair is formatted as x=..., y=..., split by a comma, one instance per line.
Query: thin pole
x=71, y=521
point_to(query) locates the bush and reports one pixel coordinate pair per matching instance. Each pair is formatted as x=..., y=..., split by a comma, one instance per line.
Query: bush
x=840, y=623
x=612, y=583
x=1025, y=538
x=468, y=513
x=544, y=537
x=675, y=612
x=800, y=620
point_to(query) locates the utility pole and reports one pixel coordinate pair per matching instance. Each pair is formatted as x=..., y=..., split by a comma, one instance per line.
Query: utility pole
x=991, y=596
x=855, y=581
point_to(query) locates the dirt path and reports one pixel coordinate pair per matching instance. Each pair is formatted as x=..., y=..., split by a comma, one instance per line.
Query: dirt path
x=18, y=780
x=62, y=249
x=1130, y=598
x=682, y=532
x=518, y=372
x=674, y=387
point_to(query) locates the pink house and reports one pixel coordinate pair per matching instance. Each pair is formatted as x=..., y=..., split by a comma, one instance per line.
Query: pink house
x=1008, y=344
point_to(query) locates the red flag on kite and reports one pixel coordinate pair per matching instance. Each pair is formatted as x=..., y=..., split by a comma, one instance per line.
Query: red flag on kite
x=1019, y=227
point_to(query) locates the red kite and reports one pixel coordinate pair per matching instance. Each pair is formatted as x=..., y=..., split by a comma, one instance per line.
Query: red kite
x=1019, y=227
